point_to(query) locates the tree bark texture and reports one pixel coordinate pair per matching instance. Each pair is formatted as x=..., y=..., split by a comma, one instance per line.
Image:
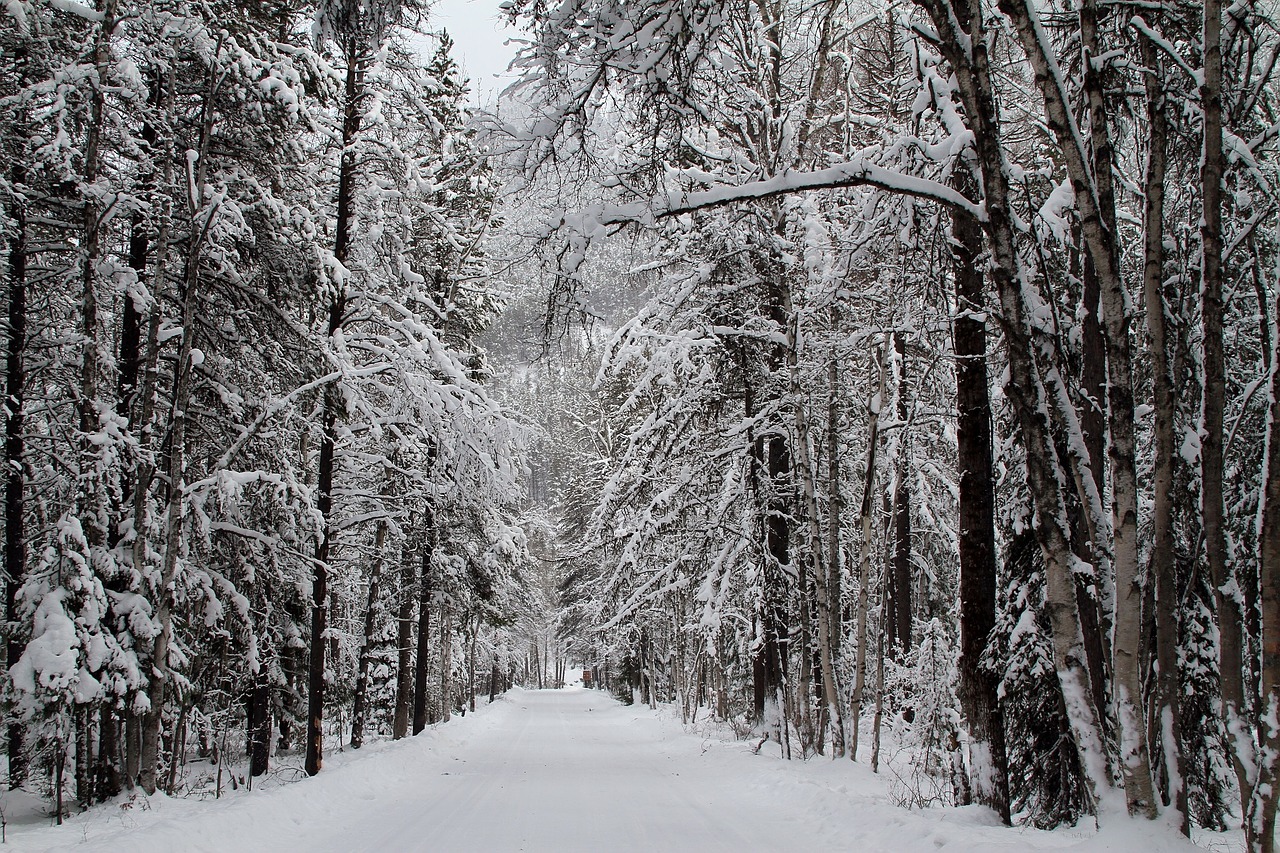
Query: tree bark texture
x=1166, y=727
x=424, y=633
x=978, y=685
x=201, y=220
x=15, y=539
x=404, y=646
x=963, y=40
x=864, y=560
x=1230, y=607
x=900, y=611
x=353, y=91
x=359, y=703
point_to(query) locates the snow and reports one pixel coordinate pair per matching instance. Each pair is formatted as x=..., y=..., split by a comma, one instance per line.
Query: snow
x=78, y=9
x=593, y=220
x=565, y=770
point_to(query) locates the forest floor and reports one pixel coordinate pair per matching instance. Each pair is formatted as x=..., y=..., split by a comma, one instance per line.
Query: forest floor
x=569, y=770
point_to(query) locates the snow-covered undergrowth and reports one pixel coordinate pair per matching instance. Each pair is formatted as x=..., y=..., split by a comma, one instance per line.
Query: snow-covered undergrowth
x=565, y=770
x=267, y=817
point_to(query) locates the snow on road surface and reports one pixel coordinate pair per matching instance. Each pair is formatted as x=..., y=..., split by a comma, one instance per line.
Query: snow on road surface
x=567, y=770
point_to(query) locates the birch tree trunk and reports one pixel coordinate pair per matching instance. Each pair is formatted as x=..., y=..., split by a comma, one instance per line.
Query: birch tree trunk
x=963, y=42
x=864, y=560
x=1260, y=809
x=829, y=589
x=1163, y=572
x=1135, y=763
x=175, y=464
x=821, y=573
x=1095, y=201
x=1226, y=591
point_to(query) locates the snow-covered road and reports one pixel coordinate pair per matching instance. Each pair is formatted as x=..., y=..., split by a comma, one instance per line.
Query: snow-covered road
x=563, y=770
x=570, y=770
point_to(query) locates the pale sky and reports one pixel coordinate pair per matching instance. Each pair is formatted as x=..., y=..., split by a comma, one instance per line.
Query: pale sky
x=479, y=36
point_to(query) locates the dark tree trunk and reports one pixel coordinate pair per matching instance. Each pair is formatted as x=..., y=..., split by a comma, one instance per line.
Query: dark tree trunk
x=107, y=777
x=132, y=748
x=1093, y=427
x=1260, y=809
x=404, y=647
x=320, y=577
x=446, y=663
x=901, y=585
x=770, y=653
x=1163, y=566
x=979, y=686
x=771, y=485
x=15, y=541
x=85, y=753
x=424, y=635
x=1228, y=605
x=359, y=705
x=287, y=707
x=131, y=315
x=353, y=90
x=258, y=733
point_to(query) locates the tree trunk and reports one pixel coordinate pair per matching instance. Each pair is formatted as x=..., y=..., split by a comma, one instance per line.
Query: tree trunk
x=1163, y=571
x=963, y=41
x=821, y=572
x=132, y=313
x=352, y=93
x=1087, y=524
x=446, y=660
x=15, y=541
x=1135, y=763
x=404, y=646
x=258, y=723
x=878, y=717
x=108, y=781
x=1097, y=218
x=83, y=717
x=864, y=561
x=175, y=465
x=1226, y=592
x=831, y=608
x=424, y=634
x=1260, y=810
x=132, y=749
x=978, y=685
x=89, y=488
x=471, y=664
x=359, y=704
x=900, y=614
x=137, y=745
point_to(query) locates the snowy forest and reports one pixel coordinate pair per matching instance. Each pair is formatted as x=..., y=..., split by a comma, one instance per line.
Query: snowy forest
x=887, y=381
